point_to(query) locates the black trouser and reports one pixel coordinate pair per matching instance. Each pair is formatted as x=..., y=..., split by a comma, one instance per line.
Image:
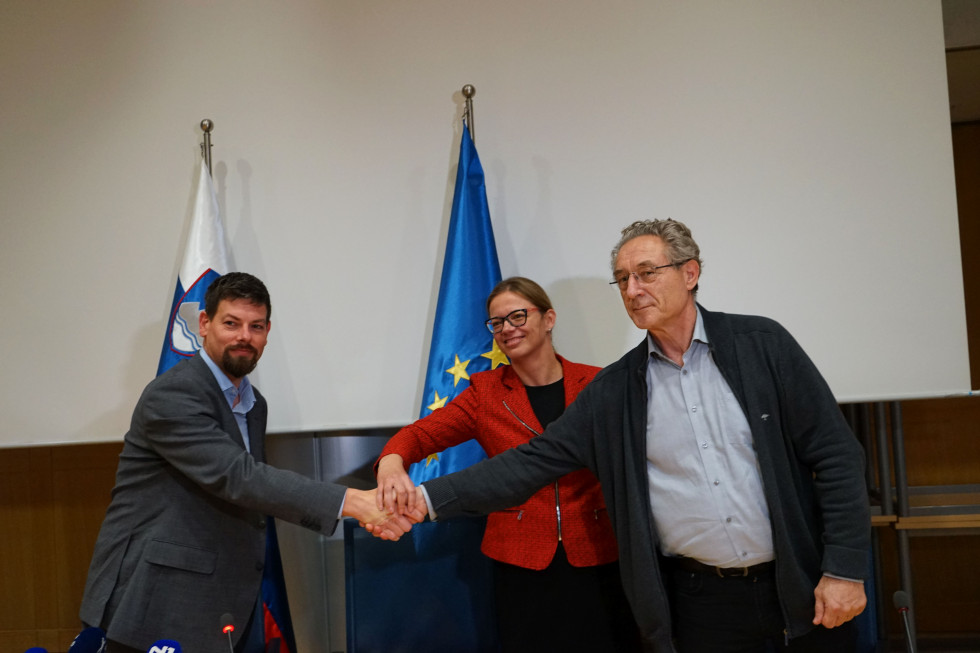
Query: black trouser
x=742, y=615
x=563, y=608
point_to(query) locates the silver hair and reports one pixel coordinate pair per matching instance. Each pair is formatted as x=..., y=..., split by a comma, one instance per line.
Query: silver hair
x=681, y=245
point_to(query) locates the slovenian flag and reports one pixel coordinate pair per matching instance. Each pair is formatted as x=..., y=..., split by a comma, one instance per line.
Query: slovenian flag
x=205, y=259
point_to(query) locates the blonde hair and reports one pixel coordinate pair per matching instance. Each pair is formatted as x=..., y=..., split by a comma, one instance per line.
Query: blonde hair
x=524, y=287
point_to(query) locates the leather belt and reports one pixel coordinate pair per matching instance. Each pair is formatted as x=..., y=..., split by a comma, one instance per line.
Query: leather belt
x=694, y=566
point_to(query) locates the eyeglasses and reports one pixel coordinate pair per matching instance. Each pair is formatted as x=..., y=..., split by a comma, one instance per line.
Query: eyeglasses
x=514, y=318
x=644, y=277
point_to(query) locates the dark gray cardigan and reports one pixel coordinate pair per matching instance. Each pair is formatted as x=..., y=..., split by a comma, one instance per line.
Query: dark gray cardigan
x=812, y=468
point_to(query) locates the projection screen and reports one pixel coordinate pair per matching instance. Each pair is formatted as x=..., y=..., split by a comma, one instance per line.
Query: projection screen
x=806, y=144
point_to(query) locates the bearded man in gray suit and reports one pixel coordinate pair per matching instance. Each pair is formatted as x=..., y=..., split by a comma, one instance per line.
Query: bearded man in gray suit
x=183, y=540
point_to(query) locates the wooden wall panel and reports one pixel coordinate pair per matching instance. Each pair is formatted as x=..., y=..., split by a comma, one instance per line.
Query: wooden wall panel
x=942, y=445
x=945, y=582
x=52, y=500
x=20, y=511
x=942, y=440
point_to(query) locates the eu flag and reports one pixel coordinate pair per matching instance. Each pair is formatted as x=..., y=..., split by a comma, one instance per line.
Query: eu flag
x=452, y=608
x=461, y=343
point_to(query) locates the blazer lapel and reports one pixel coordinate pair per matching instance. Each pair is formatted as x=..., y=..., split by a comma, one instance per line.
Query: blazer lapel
x=515, y=397
x=228, y=422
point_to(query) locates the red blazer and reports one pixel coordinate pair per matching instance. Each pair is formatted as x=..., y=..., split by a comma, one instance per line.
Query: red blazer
x=495, y=410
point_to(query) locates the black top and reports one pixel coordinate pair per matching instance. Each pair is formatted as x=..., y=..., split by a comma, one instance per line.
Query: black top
x=547, y=401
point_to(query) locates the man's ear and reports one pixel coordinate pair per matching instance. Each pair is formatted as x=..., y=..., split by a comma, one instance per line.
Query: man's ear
x=692, y=273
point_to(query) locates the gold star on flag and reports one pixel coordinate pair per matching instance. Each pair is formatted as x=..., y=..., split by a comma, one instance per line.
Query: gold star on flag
x=431, y=458
x=496, y=356
x=459, y=371
x=438, y=403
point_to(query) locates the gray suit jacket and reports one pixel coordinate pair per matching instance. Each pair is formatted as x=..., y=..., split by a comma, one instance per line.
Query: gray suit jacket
x=183, y=540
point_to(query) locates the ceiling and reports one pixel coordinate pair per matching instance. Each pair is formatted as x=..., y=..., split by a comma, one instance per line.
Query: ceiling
x=961, y=24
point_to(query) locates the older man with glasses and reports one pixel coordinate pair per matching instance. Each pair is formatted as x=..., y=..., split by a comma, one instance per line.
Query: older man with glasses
x=735, y=486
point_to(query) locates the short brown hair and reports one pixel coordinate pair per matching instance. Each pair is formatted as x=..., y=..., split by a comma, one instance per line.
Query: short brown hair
x=236, y=285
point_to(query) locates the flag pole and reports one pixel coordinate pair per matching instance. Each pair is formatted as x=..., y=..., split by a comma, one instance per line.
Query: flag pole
x=468, y=92
x=207, y=125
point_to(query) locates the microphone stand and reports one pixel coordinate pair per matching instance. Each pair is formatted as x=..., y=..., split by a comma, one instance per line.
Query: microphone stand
x=901, y=600
x=228, y=627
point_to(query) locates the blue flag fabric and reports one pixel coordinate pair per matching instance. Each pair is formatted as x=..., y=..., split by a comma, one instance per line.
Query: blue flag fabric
x=205, y=259
x=461, y=343
x=451, y=581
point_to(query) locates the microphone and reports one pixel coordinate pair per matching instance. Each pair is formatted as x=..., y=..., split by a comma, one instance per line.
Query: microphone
x=228, y=627
x=901, y=601
x=165, y=646
x=90, y=640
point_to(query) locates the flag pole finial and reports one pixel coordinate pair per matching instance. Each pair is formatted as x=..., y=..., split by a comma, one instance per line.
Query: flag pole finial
x=468, y=92
x=207, y=126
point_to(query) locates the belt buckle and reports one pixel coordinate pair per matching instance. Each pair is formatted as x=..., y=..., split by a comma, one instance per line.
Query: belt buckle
x=732, y=572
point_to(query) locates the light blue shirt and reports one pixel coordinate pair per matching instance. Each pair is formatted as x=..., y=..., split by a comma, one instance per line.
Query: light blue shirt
x=246, y=399
x=240, y=399
x=705, y=485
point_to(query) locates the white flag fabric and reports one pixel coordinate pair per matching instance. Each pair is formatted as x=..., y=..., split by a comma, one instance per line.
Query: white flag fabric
x=205, y=259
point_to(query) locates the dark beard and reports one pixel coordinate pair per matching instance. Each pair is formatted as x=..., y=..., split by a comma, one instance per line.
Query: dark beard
x=238, y=366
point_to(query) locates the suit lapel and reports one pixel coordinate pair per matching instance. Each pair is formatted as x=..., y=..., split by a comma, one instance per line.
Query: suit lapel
x=228, y=422
x=255, y=436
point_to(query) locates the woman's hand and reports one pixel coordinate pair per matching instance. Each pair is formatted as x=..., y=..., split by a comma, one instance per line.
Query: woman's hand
x=396, y=492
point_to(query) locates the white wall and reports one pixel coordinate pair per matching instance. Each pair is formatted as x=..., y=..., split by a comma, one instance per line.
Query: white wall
x=806, y=144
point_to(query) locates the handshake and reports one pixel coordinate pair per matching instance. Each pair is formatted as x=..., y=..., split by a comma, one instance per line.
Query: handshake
x=389, y=510
x=386, y=512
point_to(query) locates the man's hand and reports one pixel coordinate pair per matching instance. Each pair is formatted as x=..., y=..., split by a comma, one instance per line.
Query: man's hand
x=838, y=601
x=415, y=516
x=396, y=492
x=362, y=506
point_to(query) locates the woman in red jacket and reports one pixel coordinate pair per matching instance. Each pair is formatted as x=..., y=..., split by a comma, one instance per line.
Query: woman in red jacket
x=555, y=572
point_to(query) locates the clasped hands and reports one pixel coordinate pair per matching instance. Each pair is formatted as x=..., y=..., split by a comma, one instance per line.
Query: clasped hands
x=389, y=510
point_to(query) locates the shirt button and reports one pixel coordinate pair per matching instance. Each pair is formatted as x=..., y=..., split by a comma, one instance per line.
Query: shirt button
x=717, y=481
x=704, y=445
x=694, y=409
x=728, y=520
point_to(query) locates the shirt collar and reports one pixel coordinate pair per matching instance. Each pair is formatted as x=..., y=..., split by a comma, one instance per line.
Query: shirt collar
x=700, y=335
